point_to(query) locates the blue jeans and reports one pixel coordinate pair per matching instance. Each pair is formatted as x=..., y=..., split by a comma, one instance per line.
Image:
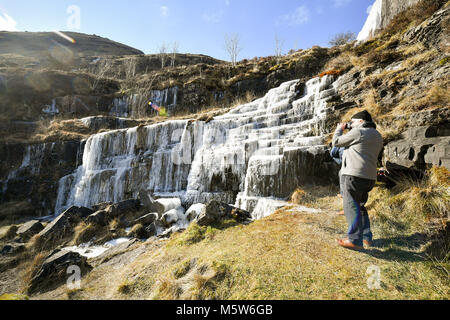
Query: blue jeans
x=356, y=193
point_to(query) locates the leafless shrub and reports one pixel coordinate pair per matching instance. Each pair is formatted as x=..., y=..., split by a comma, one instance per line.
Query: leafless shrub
x=163, y=55
x=99, y=71
x=139, y=102
x=279, y=43
x=174, y=53
x=233, y=47
x=342, y=38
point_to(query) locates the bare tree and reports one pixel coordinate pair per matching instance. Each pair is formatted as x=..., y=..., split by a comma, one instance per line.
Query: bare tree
x=278, y=48
x=129, y=67
x=99, y=72
x=163, y=55
x=342, y=38
x=233, y=47
x=174, y=53
x=129, y=72
x=139, y=102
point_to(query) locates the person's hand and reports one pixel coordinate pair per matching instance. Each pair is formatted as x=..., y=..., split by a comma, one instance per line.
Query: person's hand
x=342, y=126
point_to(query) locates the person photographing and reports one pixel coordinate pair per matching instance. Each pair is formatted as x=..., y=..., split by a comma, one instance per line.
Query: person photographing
x=363, y=144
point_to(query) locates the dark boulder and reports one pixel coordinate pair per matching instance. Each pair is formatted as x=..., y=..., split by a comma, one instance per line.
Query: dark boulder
x=139, y=232
x=64, y=223
x=29, y=229
x=241, y=215
x=54, y=270
x=12, y=249
x=147, y=219
x=97, y=218
x=130, y=207
x=214, y=212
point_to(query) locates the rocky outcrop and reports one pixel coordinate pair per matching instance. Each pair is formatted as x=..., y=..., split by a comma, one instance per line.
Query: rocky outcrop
x=421, y=148
x=195, y=211
x=31, y=172
x=430, y=32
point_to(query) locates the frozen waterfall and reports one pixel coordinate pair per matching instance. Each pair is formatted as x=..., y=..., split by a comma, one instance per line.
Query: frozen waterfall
x=258, y=150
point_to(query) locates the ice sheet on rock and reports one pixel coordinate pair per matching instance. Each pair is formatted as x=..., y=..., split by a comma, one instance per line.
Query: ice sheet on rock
x=373, y=22
x=267, y=206
x=170, y=203
x=240, y=152
x=89, y=251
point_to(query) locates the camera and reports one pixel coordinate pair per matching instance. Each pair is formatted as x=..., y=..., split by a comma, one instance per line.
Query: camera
x=348, y=126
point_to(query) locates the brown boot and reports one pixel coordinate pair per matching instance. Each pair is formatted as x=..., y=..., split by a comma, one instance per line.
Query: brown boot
x=345, y=243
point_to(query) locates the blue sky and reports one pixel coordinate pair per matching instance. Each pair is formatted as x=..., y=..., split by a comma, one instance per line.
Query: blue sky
x=199, y=26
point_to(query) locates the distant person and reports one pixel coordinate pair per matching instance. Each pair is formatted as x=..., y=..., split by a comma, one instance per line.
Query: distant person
x=363, y=144
x=337, y=154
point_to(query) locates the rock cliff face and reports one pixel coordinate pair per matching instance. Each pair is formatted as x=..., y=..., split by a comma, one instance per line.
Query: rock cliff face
x=421, y=148
x=383, y=11
x=30, y=173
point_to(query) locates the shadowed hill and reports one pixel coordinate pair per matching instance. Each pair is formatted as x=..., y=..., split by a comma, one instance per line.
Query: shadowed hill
x=42, y=44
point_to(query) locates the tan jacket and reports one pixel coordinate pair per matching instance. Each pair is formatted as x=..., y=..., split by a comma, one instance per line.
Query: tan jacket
x=362, y=148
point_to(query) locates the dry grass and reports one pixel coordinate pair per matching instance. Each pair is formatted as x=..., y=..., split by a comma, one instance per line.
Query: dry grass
x=61, y=130
x=415, y=206
x=437, y=96
x=342, y=62
x=419, y=59
x=392, y=130
x=288, y=255
x=332, y=72
x=13, y=297
x=83, y=233
x=32, y=267
x=249, y=96
x=73, y=294
x=413, y=49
